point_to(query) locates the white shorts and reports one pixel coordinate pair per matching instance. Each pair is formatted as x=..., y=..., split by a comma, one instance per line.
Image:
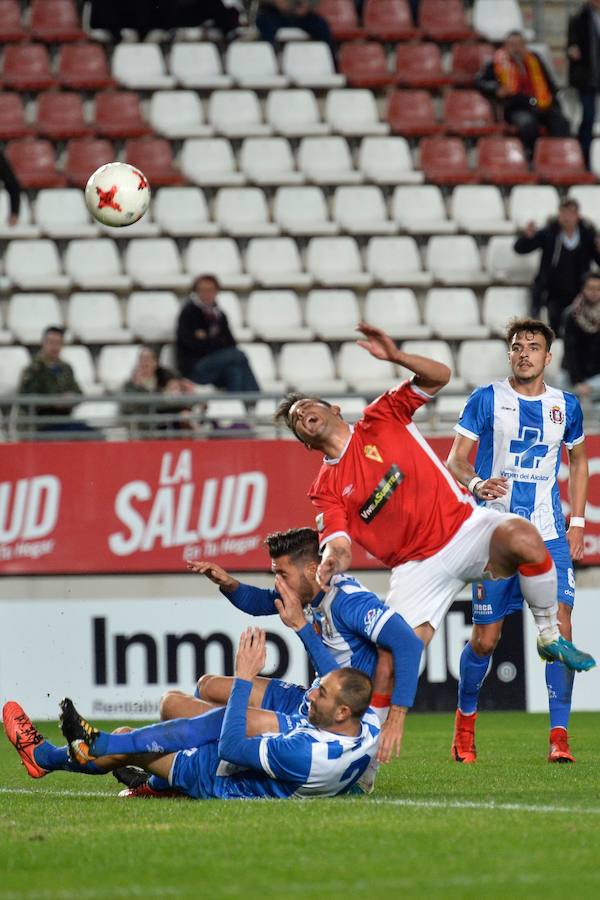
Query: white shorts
x=423, y=590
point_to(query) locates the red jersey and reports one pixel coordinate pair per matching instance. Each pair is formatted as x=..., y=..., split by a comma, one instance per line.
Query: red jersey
x=389, y=491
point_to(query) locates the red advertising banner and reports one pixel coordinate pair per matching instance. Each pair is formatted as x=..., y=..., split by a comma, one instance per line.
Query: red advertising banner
x=149, y=506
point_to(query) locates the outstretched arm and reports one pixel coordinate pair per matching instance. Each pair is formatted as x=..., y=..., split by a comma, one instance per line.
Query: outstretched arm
x=431, y=376
x=249, y=599
x=234, y=746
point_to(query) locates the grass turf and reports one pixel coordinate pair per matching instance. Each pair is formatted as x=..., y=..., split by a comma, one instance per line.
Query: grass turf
x=511, y=823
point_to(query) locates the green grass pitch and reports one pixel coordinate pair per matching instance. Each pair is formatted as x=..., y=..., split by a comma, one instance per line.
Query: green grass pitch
x=511, y=826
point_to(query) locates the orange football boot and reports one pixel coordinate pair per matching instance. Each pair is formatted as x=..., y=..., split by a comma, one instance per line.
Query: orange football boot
x=560, y=752
x=463, y=742
x=24, y=736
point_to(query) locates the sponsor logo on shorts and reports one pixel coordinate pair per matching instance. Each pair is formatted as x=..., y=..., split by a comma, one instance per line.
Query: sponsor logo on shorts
x=381, y=494
x=482, y=609
x=556, y=415
x=371, y=618
x=571, y=578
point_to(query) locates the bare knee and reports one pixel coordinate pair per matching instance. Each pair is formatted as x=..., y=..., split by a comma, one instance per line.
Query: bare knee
x=514, y=543
x=205, y=683
x=124, y=729
x=167, y=704
x=484, y=640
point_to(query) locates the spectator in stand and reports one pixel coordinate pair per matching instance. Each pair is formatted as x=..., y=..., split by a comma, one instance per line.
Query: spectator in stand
x=114, y=15
x=149, y=377
x=518, y=78
x=581, y=325
x=584, y=67
x=206, y=350
x=12, y=187
x=569, y=246
x=275, y=14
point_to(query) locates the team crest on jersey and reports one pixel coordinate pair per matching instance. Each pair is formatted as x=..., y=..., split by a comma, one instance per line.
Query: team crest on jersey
x=371, y=452
x=480, y=592
x=556, y=415
x=371, y=618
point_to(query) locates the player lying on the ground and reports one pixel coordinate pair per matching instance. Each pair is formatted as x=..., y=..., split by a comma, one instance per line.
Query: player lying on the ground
x=520, y=425
x=382, y=485
x=322, y=756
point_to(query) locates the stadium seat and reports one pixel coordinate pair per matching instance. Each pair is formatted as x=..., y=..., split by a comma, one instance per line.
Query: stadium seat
x=500, y=304
x=24, y=227
x=365, y=65
x=468, y=59
x=327, y=161
x=363, y=372
x=588, y=197
x=34, y=163
x=12, y=117
x=507, y=267
x=84, y=67
x=420, y=66
x=421, y=210
x=209, y=162
x=480, y=362
x=396, y=261
x=116, y=364
x=309, y=367
x=60, y=116
x=11, y=28
x=362, y=210
x=45, y=275
x=229, y=302
x=225, y=412
x=455, y=260
x=411, y=113
x=80, y=360
x=560, y=161
x=389, y=20
x=387, y=160
x=353, y=112
x=502, y=160
x=495, y=20
x=260, y=357
x=217, y=256
x=243, y=212
x=269, y=161
x=532, y=203
x=332, y=315
x=84, y=156
x=12, y=362
x=309, y=65
x=152, y=315
x=96, y=265
x=352, y=407
x=253, y=65
x=444, y=20
x=155, y=263
x=438, y=350
x=342, y=18
x=178, y=114
x=277, y=316
x=294, y=113
x=275, y=262
x=95, y=318
x=101, y=414
x=448, y=408
x=26, y=67
x=119, y=115
x=469, y=114
x=444, y=161
x=397, y=312
x=182, y=212
x=554, y=371
x=140, y=67
x=303, y=211
x=29, y=314
x=55, y=21
x=63, y=214
x=198, y=65
x=6, y=338
x=236, y=114
x=479, y=209
x=154, y=157
x=336, y=262
x=453, y=314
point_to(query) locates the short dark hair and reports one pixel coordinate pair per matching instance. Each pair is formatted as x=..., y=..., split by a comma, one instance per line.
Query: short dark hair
x=53, y=329
x=568, y=202
x=300, y=544
x=282, y=413
x=593, y=273
x=535, y=326
x=208, y=277
x=514, y=33
x=355, y=690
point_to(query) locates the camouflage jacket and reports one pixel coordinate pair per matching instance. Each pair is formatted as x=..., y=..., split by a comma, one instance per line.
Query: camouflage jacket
x=39, y=378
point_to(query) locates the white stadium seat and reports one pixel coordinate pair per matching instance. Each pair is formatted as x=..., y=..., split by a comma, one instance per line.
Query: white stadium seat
x=387, y=160
x=260, y=357
x=588, y=197
x=448, y=407
x=333, y=315
x=352, y=407
x=532, y=203
x=183, y=212
x=116, y=364
x=336, y=262
x=353, y=112
x=276, y=316
x=294, y=113
x=479, y=209
x=24, y=227
x=29, y=314
x=225, y=411
x=62, y=213
x=503, y=303
x=80, y=359
x=209, y=162
x=494, y=19
x=453, y=314
x=480, y=362
x=96, y=265
x=363, y=372
x=421, y=210
x=362, y=210
x=438, y=350
x=5, y=335
x=97, y=413
x=253, y=65
x=140, y=67
x=243, y=212
x=327, y=160
x=506, y=266
x=303, y=211
x=46, y=274
x=219, y=257
x=198, y=65
x=155, y=264
x=275, y=262
x=455, y=260
x=396, y=312
x=229, y=302
x=396, y=261
x=95, y=318
x=12, y=362
x=269, y=161
x=152, y=315
x=310, y=65
x=236, y=114
x=178, y=114
x=310, y=368
x=554, y=370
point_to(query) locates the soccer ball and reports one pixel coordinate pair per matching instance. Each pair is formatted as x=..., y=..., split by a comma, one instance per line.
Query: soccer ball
x=117, y=194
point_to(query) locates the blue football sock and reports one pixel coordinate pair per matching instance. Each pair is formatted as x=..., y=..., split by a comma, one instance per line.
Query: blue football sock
x=164, y=737
x=56, y=759
x=158, y=784
x=473, y=670
x=559, y=681
x=197, y=693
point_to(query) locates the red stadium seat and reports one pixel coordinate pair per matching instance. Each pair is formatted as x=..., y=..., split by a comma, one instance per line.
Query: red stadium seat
x=502, y=160
x=155, y=158
x=34, y=163
x=420, y=66
x=341, y=15
x=469, y=114
x=365, y=65
x=444, y=161
x=84, y=67
x=444, y=20
x=389, y=20
x=55, y=21
x=468, y=59
x=27, y=68
x=119, y=115
x=560, y=161
x=84, y=156
x=10, y=22
x=411, y=113
x=60, y=116
x=12, y=118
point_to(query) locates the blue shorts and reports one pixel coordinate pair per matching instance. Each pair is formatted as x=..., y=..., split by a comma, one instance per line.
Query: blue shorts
x=494, y=600
x=194, y=771
x=283, y=697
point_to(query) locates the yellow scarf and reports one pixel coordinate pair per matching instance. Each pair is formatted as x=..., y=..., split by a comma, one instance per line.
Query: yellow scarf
x=509, y=75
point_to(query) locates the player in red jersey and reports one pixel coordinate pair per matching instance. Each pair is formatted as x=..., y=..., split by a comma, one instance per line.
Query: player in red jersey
x=382, y=485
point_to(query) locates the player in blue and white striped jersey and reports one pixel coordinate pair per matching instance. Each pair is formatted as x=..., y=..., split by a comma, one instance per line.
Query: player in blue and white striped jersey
x=521, y=425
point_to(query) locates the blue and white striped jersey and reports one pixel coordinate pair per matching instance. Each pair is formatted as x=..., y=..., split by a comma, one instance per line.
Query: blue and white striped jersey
x=520, y=438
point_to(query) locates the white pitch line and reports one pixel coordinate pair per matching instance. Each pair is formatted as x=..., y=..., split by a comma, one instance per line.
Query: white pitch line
x=41, y=792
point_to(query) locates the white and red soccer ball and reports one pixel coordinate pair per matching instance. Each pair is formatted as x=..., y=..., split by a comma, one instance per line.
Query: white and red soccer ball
x=117, y=194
